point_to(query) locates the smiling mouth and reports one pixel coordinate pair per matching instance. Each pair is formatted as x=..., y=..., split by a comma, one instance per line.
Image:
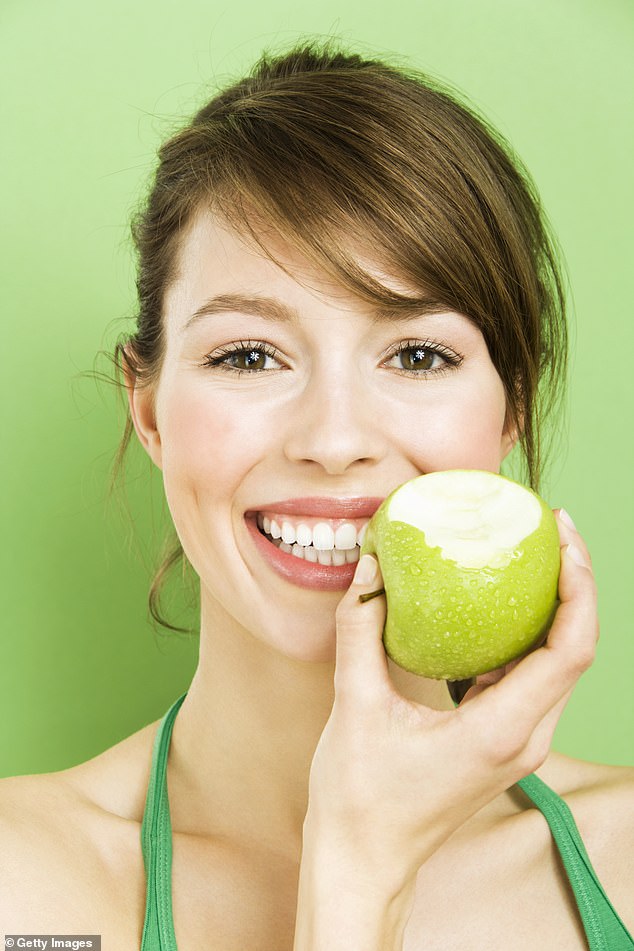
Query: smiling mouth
x=333, y=543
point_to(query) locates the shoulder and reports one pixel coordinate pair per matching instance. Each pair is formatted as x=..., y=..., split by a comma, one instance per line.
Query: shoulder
x=597, y=790
x=61, y=832
x=114, y=782
x=601, y=799
x=39, y=846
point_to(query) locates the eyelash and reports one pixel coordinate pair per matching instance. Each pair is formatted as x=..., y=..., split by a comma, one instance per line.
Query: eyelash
x=451, y=358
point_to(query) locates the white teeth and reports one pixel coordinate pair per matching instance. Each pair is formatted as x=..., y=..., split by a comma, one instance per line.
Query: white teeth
x=288, y=533
x=304, y=535
x=323, y=538
x=330, y=558
x=346, y=536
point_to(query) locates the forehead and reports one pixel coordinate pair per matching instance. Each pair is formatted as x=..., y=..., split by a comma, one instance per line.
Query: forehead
x=212, y=248
x=220, y=269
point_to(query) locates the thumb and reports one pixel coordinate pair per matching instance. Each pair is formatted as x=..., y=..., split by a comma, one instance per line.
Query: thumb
x=361, y=663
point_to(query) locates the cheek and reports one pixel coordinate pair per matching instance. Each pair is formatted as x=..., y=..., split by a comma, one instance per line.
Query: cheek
x=459, y=430
x=209, y=441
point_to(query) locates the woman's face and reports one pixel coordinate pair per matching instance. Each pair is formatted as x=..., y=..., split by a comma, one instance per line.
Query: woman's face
x=330, y=405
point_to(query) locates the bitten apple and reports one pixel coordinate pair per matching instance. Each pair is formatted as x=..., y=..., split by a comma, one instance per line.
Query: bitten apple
x=470, y=563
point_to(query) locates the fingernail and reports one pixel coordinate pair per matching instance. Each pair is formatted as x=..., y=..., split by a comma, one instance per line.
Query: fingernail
x=575, y=555
x=563, y=515
x=366, y=572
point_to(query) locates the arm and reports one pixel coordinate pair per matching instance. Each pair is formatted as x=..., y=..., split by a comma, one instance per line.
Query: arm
x=436, y=769
x=339, y=908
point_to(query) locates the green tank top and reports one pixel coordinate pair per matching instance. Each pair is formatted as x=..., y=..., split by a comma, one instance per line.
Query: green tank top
x=604, y=929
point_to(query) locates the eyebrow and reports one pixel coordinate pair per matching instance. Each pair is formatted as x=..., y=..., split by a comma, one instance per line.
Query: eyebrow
x=273, y=309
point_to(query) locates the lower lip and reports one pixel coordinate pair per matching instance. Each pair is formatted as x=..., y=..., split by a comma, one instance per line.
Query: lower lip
x=305, y=574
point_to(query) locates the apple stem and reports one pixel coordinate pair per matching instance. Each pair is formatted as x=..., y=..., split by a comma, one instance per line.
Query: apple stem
x=372, y=594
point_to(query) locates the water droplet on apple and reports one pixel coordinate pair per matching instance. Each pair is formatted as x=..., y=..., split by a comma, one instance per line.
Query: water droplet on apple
x=511, y=602
x=414, y=569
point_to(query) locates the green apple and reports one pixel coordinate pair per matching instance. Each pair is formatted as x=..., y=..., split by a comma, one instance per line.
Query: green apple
x=470, y=564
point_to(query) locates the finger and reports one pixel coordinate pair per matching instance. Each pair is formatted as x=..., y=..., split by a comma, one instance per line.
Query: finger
x=484, y=681
x=542, y=736
x=543, y=678
x=569, y=535
x=361, y=663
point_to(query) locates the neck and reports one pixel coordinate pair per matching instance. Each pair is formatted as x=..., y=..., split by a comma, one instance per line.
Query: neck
x=245, y=736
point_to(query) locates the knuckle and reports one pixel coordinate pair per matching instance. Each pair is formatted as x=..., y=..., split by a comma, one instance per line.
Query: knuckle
x=538, y=748
x=535, y=753
x=587, y=658
x=520, y=754
x=502, y=748
x=583, y=658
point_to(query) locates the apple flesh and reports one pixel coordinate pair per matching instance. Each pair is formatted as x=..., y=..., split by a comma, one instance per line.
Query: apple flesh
x=470, y=563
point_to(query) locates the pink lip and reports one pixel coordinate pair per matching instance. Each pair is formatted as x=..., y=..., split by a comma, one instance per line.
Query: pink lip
x=305, y=574
x=323, y=506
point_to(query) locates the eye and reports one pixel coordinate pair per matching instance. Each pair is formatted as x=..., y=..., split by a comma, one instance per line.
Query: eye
x=418, y=357
x=244, y=356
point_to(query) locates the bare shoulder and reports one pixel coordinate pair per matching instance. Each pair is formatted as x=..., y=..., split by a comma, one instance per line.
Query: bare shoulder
x=601, y=799
x=594, y=788
x=69, y=836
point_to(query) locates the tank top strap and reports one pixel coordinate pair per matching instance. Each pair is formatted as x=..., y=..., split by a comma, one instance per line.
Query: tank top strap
x=603, y=926
x=604, y=929
x=156, y=844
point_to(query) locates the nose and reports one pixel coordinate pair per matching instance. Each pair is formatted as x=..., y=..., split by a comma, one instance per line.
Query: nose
x=336, y=423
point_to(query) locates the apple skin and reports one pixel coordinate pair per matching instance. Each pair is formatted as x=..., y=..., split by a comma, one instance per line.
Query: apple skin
x=450, y=622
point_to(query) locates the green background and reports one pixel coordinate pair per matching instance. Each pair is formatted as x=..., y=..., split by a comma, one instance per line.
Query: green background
x=88, y=92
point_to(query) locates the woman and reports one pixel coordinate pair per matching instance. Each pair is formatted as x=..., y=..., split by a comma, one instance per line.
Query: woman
x=344, y=281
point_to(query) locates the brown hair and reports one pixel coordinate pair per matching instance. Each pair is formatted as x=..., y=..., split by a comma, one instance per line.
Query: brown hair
x=320, y=144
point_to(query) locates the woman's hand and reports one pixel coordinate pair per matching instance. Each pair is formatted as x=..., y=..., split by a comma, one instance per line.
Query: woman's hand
x=392, y=779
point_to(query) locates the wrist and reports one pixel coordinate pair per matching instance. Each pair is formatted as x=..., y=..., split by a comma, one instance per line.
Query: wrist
x=345, y=905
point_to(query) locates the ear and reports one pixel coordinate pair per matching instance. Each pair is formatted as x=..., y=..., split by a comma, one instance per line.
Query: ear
x=141, y=400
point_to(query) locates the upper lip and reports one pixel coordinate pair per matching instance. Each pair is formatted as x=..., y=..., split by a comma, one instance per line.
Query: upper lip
x=358, y=507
